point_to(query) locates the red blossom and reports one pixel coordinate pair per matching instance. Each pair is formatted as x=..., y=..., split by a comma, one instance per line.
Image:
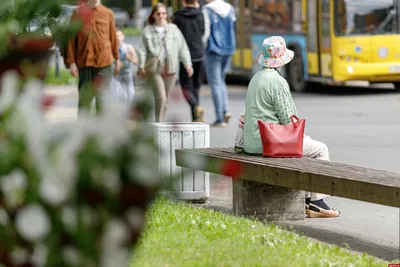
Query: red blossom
x=47, y=102
x=232, y=169
x=98, y=82
x=136, y=113
x=85, y=15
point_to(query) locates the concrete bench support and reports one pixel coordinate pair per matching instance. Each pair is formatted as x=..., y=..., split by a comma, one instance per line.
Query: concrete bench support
x=268, y=202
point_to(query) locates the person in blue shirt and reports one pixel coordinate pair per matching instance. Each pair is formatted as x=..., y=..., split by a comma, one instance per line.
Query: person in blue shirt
x=219, y=40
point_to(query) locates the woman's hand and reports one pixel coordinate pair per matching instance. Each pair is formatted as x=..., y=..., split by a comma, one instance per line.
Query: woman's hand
x=133, y=58
x=189, y=71
x=117, y=67
x=141, y=72
x=73, y=70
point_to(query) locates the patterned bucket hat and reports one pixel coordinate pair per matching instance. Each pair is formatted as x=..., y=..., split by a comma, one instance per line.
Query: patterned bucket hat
x=274, y=53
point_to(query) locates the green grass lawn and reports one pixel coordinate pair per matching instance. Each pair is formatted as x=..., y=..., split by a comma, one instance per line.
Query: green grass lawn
x=65, y=77
x=180, y=235
x=130, y=31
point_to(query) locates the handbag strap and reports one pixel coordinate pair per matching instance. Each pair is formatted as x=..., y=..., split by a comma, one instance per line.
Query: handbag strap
x=294, y=119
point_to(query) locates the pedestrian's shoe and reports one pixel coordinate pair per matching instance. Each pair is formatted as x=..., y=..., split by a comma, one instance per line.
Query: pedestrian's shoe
x=319, y=209
x=227, y=117
x=219, y=124
x=199, y=114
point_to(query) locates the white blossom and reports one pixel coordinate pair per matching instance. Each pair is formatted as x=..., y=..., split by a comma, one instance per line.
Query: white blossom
x=145, y=169
x=193, y=222
x=29, y=115
x=112, y=181
x=65, y=166
x=71, y=256
x=15, y=181
x=32, y=223
x=89, y=216
x=58, y=170
x=135, y=217
x=223, y=226
x=19, y=256
x=145, y=175
x=107, y=178
x=146, y=130
x=13, y=26
x=9, y=90
x=13, y=187
x=39, y=256
x=112, y=117
x=69, y=218
x=116, y=233
x=116, y=258
x=54, y=190
x=4, y=218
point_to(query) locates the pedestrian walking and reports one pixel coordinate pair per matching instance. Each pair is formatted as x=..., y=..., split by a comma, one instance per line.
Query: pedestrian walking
x=269, y=99
x=220, y=42
x=190, y=21
x=92, y=51
x=122, y=84
x=161, y=48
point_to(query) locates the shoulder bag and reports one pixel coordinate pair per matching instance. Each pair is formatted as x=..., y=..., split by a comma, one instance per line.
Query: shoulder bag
x=282, y=141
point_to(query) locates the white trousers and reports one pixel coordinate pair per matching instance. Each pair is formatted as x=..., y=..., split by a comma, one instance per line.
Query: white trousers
x=316, y=150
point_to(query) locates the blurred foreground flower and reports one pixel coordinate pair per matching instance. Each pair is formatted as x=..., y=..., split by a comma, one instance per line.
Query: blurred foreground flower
x=71, y=194
x=232, y=169
x=48, y=102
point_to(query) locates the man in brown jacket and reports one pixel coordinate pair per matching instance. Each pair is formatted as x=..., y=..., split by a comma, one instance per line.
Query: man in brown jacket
x=92, y=51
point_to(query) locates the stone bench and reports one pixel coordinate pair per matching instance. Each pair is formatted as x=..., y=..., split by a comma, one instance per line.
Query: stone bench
x=272, y=188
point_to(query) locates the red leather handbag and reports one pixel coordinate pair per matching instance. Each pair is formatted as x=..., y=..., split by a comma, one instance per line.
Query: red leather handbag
x=282, y=141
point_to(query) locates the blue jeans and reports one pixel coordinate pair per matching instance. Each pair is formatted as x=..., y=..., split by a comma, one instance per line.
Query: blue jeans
x=215, y=68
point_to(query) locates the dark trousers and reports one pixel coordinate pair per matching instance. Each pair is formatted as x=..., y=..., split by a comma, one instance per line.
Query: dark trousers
x=91, y=82
x=191, y=85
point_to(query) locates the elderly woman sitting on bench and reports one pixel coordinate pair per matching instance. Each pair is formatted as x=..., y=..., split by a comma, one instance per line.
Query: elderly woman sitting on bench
x=269, y=99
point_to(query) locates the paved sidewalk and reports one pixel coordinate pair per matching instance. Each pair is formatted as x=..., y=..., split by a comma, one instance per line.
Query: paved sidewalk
x=69, y=94
x=60, y=112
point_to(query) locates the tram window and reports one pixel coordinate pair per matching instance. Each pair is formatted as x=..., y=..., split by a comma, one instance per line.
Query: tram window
x=355, y=18
x=272, y=15
x=312, y=30
x=296, y=16
x=326, y=26
x=260, y=21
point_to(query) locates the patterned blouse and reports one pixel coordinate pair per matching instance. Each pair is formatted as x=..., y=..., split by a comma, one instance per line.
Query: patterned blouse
x=268, y=99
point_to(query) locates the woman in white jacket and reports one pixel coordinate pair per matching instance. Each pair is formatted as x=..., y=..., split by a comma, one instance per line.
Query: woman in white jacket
x=161, y=49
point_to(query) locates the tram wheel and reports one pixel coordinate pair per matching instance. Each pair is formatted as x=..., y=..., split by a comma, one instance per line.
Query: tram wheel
x=397, y=87
x=295, y=71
